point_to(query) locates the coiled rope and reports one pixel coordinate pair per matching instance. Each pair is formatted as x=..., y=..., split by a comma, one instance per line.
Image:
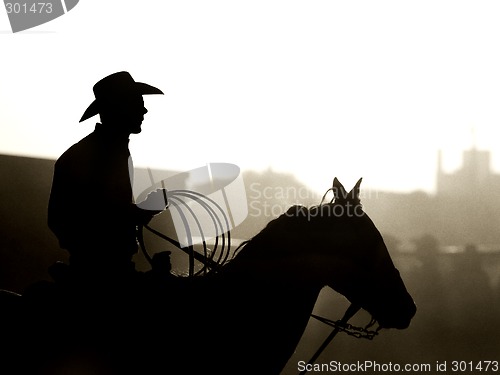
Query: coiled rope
x=211, y=259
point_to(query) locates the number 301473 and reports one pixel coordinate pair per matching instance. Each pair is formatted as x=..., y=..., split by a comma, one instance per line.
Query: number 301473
x=28, y=8
x=484, y=366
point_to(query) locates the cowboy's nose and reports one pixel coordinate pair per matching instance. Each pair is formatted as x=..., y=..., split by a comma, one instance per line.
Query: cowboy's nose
x=144, y=110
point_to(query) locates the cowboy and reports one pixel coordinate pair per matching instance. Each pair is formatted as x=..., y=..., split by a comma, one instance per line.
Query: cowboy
x=91, y=206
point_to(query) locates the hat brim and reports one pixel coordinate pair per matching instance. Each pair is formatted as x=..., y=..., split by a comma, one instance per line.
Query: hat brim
x=139, y=87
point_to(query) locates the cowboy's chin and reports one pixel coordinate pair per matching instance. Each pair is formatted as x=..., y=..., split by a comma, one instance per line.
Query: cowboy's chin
x=135, y=128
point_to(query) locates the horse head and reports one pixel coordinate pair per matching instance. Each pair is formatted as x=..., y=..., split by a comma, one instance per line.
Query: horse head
x=355, y=260
x=336, y=244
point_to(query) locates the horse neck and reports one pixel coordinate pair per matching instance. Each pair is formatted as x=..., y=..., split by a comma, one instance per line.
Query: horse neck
x=296, y=259
x=275, y=310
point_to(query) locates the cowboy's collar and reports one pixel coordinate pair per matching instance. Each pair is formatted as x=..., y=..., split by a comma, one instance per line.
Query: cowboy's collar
x=110, y=136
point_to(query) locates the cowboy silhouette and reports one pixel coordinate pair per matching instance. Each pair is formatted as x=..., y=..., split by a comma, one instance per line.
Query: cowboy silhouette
x=91, y=206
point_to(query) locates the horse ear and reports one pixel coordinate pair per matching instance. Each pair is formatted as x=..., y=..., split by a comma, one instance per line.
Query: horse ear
x=338, y=189
x=354, y=193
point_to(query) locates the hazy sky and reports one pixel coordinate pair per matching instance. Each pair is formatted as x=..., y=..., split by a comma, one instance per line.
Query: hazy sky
x=320, y=89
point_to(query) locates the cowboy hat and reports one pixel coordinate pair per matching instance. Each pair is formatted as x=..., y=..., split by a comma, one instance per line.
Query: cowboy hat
x=116, y=85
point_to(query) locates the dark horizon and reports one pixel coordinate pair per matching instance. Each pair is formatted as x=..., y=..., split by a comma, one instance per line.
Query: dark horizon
x=29, y=248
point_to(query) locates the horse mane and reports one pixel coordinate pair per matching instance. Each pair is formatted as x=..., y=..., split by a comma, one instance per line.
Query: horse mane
x=269, y=230
x=298, y=214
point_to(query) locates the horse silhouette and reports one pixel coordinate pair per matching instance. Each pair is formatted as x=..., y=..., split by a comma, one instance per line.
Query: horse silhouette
x=246, y=318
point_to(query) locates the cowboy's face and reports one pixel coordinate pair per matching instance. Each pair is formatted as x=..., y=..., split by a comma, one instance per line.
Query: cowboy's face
x=135, y=111
x=126, y=114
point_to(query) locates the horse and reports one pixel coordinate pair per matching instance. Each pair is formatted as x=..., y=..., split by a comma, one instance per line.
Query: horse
x=247, y=317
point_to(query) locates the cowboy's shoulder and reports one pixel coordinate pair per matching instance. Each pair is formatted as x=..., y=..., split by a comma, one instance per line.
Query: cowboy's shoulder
x=81, y=152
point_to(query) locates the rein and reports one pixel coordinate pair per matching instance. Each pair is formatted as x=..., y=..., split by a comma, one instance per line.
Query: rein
x=342, y=325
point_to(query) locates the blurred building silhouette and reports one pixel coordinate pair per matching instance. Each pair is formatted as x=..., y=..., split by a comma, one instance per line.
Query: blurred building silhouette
x=475, y=175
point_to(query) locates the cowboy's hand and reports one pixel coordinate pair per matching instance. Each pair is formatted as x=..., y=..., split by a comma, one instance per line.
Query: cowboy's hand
x=155, y=201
